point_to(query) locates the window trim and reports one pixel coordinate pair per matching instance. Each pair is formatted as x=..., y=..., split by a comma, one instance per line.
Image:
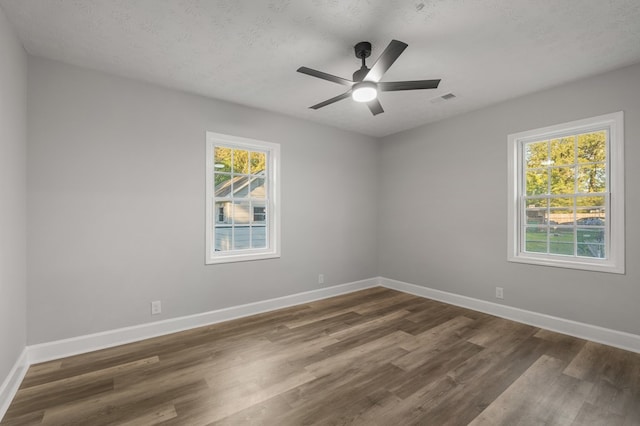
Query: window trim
x=273, y=218
x=615, y=261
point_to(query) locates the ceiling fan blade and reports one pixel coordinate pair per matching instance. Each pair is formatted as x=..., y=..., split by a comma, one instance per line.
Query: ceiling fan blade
x=384, y=62
x=332, y=100
x=392, y=86
x=375, y=107
x=325, y=76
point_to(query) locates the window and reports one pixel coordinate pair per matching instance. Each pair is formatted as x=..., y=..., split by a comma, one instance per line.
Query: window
x=566, y=195
x=242, y=199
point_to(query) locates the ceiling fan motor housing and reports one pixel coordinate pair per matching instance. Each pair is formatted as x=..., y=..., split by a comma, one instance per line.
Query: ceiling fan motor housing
x=363, y=49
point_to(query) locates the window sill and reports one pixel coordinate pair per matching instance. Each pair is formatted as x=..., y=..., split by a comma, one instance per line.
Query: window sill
x=594, y=265
x=245, y=257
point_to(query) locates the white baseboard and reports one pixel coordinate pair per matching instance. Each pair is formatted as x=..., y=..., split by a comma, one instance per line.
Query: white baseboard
x=618, y=339
x=76, y=345
x=11, y=384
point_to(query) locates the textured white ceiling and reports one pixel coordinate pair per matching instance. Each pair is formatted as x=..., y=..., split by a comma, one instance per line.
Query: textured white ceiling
x=247, y=51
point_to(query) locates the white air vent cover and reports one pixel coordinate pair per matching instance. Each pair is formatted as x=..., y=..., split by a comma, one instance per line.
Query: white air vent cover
x=445, y=97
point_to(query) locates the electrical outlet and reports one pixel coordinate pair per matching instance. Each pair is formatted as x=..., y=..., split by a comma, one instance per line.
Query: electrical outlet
x=156, y=307
x=499, y=293
x=320, y=278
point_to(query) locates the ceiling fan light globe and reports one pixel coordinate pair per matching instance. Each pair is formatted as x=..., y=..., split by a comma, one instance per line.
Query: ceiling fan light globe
x=364, y=92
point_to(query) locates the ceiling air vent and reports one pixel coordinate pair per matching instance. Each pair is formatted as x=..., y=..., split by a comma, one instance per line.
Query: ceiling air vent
x=445, y=97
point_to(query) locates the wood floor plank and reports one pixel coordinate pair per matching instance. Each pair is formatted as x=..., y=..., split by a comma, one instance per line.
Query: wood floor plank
x=253, y=415
x=564, y=347
x=30, y=418
x=559, y=404
x=216, y=405
x=468, y=399
x=44, y=367
x=374, y=357
x=434, y=366
x=384, y=349
x=86, y=378
x=612, y=398
x=123, y=408
x=349, y=397
x=67, y=393
x=371, y=324
x=592, y=415
x=155, y=416
x=509, y=406
x=358, y=339
x=442, y=330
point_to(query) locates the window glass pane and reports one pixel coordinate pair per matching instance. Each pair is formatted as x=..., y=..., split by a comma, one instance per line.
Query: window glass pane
x=592, y=147
x=561, y=202
x=536, y=216
x=562, y=241
x=223, y=185
x=563, y=180
x=259, y=212
x=240, y=161
x=591, y=206
x=561, y=216
x=241, y=212
x=259, y=236
x=222, y=212
x=590, y=217
x=258, y=163
x=536, y=239
x=562, y=151
x=536, y=154
x=592, y=178
x=537, y=182
x=591, y=211
x=590, y=201
x=222, y=159
x=241, y=186
x=223, y=238
x=241, y=237
x=257, y=188
x=591, y=242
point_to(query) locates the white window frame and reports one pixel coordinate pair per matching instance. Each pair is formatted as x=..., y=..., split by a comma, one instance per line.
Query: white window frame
x=614, y=225
x=273, y=200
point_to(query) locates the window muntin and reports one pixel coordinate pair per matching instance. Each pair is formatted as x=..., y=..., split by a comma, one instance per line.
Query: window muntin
x=566, y=204
x=242, y=204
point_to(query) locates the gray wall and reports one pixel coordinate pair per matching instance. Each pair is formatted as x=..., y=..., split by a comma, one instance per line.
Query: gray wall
x=116, y=204
x=443, y=206
x=13, y=140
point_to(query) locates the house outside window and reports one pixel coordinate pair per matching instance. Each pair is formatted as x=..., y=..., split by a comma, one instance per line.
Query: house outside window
x=566, y=195
x=242, y=199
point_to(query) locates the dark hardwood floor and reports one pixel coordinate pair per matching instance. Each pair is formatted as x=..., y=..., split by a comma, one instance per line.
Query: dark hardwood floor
x=375, y=357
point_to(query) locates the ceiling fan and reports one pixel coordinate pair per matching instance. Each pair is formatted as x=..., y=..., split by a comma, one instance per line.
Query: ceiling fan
x=366, y=81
